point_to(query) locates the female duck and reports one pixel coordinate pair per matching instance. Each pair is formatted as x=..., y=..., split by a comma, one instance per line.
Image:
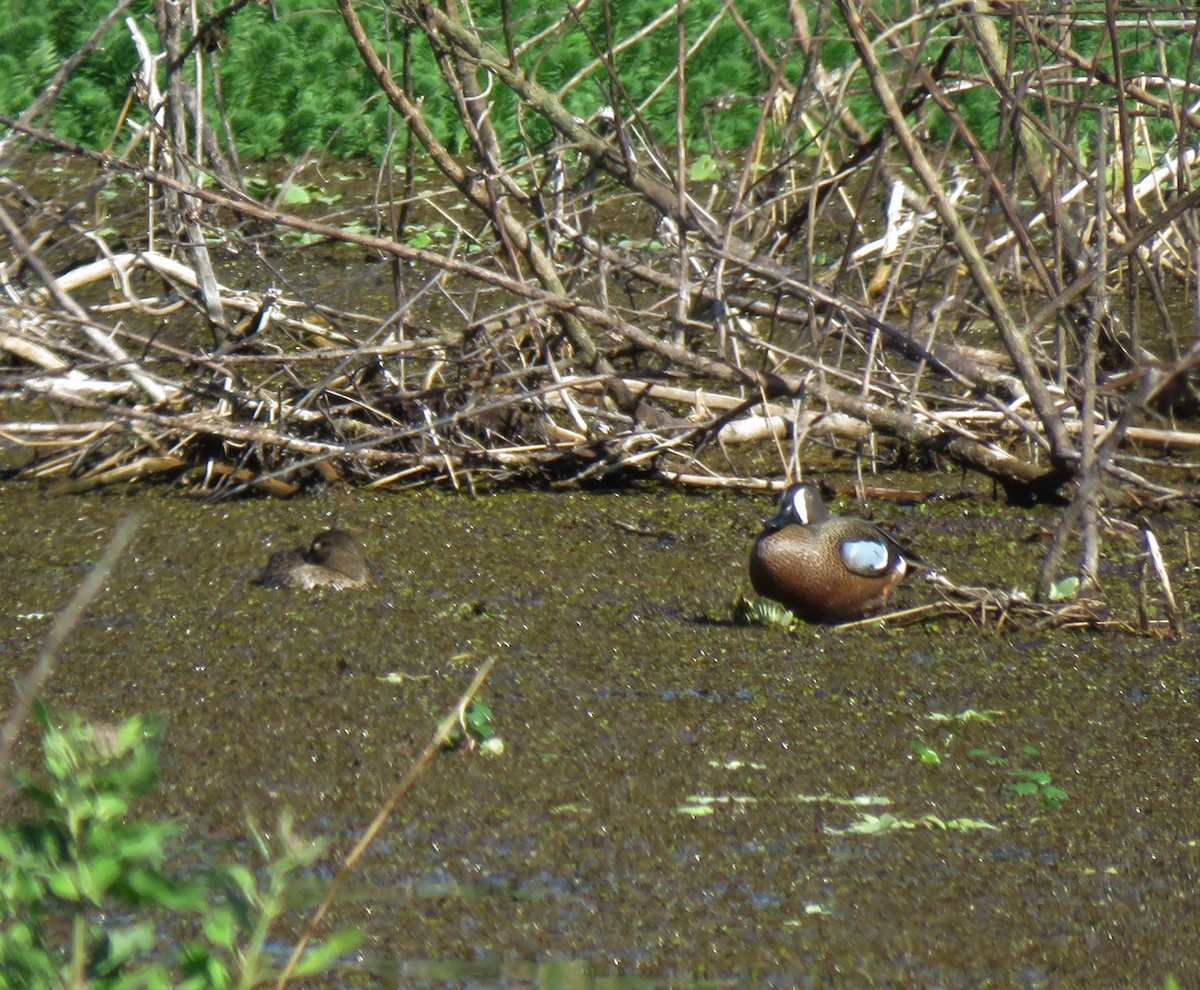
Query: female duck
x=335, y=560
x=822, y=567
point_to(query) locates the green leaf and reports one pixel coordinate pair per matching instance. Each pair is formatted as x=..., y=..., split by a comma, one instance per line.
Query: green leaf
x=243, y=880
x=109, y=808
x=704, y=168
x=204, y=970
x=175, y=895
x=1064, y=589
x=926, y=754
x=97, y=874
x=318, y=958
x=62, y=884
x=479, y=716
x=130, y=943
x=1053, y=797
x=144, y=842
x=761, y=611
x=295, y=195
x=220, y=927
x=986, y=754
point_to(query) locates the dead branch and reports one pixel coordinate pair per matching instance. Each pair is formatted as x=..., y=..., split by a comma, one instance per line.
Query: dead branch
x=818, y=304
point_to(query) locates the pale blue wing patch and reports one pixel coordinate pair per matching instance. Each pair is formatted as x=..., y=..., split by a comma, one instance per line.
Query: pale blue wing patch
x=870, y=558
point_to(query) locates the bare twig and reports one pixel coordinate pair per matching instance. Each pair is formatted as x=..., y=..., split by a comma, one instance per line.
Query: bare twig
x=351, y=859
x=52, y=642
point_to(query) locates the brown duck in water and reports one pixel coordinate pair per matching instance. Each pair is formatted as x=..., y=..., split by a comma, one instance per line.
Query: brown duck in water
x=822, y=567
x=334, y=560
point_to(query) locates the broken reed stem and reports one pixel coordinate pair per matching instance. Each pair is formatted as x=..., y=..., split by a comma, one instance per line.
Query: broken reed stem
x=53, y=641
x=1143, y=598
x=1089, y=567
x=431, y=750
x=1155, y=558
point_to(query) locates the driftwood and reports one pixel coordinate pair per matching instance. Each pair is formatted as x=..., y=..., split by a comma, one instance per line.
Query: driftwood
x=998, y=612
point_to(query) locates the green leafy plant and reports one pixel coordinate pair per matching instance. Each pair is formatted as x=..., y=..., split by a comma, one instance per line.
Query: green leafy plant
x=927, y=754
x=953, y=726
x=475, y=729
x=1027, y=782
x=1038, y=783
x=1064, y=590
x=761, y=612
x=992, y=759
x=86, y=892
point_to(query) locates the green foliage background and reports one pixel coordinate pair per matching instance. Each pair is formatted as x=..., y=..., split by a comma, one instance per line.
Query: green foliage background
x=296, y=82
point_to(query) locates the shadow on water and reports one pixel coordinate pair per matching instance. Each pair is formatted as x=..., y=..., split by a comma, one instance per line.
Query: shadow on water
x=682, y=802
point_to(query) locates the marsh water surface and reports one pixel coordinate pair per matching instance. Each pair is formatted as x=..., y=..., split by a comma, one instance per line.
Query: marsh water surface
x=677, y=800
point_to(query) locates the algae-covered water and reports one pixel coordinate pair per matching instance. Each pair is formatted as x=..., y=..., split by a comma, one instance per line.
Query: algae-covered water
x=681, y=801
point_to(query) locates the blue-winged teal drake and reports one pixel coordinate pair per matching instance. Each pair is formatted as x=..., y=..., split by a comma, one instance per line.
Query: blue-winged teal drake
x=822, y=567
x=335, y=560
